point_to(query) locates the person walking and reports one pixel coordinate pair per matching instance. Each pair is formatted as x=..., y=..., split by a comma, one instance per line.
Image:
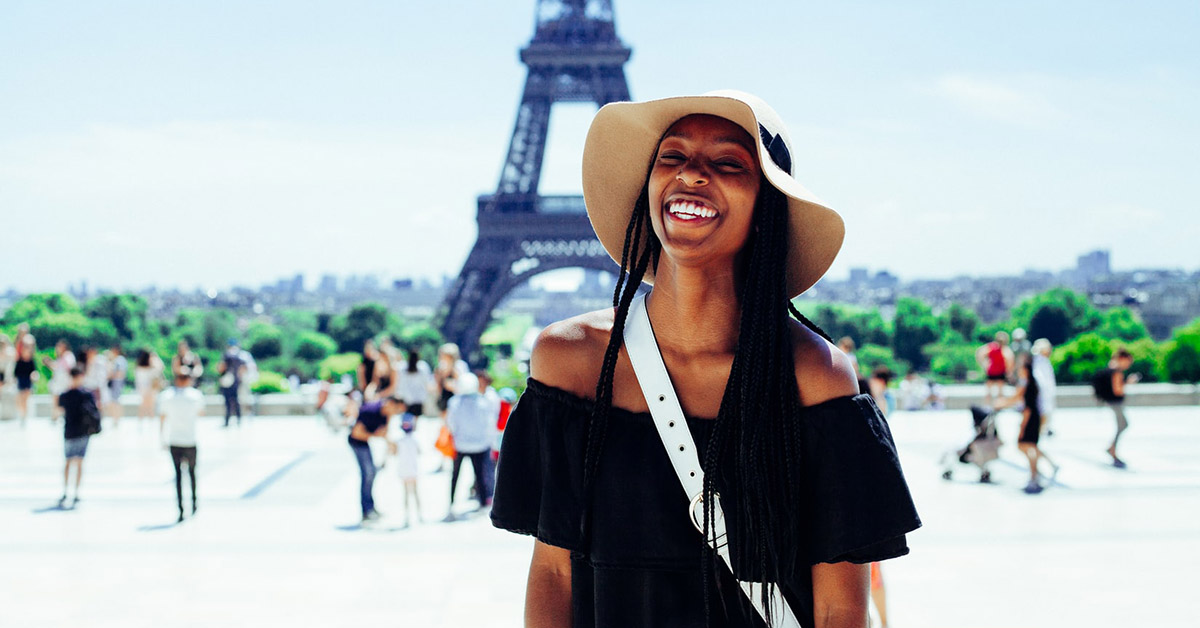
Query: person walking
x=372, y=422
x=996, y=359
x=445, y=376
x=96, y=380
x=1109, y=386
x=60, y=375
x=1028, y=395
x=231, y=370
x=147, y=380
x=118, y=368
x=408, y=454
x=25, y=372
x=81, y=419
x=471, y=417
x=186, y=360
x=181, y=406
x=414, y=382
x=1043, y=372
x=8, y=363
x=366, y=367
x=707, y=384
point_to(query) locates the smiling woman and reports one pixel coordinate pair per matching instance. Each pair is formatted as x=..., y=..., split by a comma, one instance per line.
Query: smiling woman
x=789, y=475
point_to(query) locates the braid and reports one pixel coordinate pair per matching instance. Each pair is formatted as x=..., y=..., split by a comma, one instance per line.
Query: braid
x=639, y=224
x=753, y=450
x=807, y=323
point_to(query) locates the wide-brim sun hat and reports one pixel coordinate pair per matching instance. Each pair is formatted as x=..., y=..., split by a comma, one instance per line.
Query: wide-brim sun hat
x=623, y=139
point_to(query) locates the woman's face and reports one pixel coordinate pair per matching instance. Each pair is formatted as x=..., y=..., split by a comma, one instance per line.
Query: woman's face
x=702, y=190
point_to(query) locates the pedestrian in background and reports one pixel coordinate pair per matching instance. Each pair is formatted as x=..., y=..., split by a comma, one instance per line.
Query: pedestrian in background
x=1109, y=385
x=413, y=383
x=1027, y=396
x=366, y=367
x=186, y=360
x=8, y=363
x=471, y=417
x=408, y=454
x=96, y=380
x=231, y=370
x=1043, y=372
x=26, y=373
x=180, y=407
x=996, y=360
x=81, y=419
x=372, y=422
x=118, y=368
x=147, y=380
x=60, y=374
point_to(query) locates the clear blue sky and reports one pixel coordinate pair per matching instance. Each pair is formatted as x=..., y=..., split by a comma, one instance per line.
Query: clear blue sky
x=230, y=142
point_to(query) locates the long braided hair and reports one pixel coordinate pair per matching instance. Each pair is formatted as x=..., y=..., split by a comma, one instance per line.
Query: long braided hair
x=753, y=451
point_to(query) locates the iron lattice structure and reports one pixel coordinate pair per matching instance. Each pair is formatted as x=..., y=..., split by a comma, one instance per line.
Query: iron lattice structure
x=574, y=56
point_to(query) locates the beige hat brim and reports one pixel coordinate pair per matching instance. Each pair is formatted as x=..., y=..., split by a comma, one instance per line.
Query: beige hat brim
x=621, y=143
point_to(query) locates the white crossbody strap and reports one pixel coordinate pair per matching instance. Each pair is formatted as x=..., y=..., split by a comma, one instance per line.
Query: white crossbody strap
x=672, y=427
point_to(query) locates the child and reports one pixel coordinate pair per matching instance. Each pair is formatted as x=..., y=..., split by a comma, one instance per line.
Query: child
x=82, y=419
x=408, y=452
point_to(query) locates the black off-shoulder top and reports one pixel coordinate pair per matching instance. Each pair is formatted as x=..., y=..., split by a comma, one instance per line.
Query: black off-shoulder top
x=643, y=566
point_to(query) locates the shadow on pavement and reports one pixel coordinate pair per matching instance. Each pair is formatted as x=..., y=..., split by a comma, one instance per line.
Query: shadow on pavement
x=156, y=528
x=55, y=508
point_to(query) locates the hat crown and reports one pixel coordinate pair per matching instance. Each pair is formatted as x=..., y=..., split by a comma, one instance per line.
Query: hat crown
x=771, y=126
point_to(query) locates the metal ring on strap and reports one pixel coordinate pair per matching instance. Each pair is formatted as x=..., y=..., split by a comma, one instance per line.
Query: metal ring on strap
x=697, y=516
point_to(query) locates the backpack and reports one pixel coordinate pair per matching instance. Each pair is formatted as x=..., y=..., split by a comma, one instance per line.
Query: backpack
x=1102, y=385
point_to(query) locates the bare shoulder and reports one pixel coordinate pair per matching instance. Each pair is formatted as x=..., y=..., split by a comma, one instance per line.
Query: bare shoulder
x=568, y=354
x=823, y=371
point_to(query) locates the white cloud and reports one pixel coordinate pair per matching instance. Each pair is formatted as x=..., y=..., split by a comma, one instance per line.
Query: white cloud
x=993, y=99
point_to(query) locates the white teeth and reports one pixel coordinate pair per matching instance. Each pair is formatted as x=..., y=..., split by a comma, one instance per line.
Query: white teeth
x=689, y=210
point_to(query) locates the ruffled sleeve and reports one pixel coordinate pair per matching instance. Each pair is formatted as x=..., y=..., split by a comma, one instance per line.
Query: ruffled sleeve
x=861, y=507
x=539, y=479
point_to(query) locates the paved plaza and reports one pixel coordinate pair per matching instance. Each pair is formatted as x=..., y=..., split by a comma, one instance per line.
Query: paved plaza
x=277, y=540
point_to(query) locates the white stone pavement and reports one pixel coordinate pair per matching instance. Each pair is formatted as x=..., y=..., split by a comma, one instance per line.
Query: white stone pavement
x=276, y=541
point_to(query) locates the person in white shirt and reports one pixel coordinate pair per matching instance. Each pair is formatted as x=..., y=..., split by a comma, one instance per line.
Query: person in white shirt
x=1043, y=372
x=180, y=407
x=471, y=416
x=414, y=380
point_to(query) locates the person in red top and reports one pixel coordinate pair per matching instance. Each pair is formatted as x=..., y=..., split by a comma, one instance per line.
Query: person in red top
x=996, y=359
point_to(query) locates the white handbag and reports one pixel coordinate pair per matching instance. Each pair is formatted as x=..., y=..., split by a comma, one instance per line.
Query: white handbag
x=672, y=428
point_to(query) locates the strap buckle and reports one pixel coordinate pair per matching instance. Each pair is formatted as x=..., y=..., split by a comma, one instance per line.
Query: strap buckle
x=696, y=514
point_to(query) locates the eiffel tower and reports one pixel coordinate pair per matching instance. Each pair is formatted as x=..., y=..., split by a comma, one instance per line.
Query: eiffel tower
x=575, y=56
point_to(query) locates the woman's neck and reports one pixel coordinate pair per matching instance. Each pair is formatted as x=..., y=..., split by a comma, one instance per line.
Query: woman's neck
x=694, y=310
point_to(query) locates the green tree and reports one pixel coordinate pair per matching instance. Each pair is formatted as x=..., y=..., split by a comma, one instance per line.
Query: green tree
x=1147, y=359
x=861, y=325
x=952, y=358
x=962, y=320
x=1181, y=359
x=1079, y=359
x=1052, y=322
x=126, y=312
x=914, y=327
x=31, y=306
x=1068, y=314
x=362, y=322
x=74, y=328
x=312, y=346
x=1121, y=323
x=871, y=357
x=340, y=364
x=264, y=341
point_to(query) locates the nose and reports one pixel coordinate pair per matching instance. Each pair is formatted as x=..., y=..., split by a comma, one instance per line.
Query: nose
x=691, y=175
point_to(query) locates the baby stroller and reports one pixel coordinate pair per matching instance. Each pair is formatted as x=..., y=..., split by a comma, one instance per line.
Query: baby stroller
x=982, y=449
